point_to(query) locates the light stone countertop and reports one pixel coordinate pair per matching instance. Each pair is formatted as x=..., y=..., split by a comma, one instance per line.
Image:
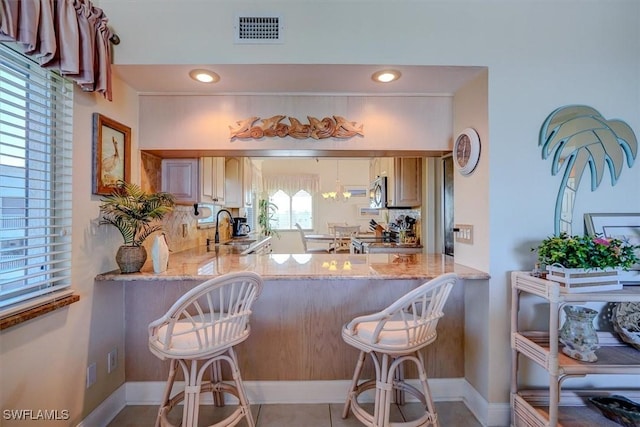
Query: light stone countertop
x=201, y=263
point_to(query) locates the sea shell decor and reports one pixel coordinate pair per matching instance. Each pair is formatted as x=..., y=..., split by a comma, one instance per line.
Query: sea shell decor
x=329, y=127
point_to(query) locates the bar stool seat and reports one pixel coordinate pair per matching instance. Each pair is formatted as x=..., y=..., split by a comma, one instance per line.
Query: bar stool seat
x=392, y=337
x=198, y=333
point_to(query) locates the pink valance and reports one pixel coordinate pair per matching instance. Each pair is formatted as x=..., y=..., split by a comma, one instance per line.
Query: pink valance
x=70, y=36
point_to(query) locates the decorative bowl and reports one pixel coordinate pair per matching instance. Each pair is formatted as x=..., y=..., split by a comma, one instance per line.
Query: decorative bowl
x=619, y=409
x=626, y=322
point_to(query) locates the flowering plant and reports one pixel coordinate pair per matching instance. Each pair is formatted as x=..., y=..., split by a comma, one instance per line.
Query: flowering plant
x=586, y=252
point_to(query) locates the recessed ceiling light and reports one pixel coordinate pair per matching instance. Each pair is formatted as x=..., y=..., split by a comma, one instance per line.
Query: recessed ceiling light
x=386, y=76
x=204, y=76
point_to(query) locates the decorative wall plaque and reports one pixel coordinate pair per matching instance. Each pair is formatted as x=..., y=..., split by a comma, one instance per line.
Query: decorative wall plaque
x=336, y=127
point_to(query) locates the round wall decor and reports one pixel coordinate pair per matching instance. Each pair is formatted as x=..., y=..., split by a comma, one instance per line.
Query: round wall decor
x=466, y=151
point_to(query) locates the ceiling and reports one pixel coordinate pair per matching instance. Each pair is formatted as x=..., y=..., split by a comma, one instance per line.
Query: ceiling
x=296, y=78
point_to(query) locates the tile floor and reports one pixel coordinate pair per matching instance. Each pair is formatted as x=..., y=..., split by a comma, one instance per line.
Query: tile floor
x=451, y=414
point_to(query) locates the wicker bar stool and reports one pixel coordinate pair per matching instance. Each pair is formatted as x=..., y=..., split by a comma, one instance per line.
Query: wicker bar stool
x=391, y=337
x=198, y=333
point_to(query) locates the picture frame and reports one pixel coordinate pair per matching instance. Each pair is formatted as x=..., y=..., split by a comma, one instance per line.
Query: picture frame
x=623, y=226
x=357, y=190
x=368, y=212
x=111, y=154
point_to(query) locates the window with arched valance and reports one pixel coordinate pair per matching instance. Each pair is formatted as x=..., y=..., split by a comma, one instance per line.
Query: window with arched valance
x=291, y=184
x=293, y=195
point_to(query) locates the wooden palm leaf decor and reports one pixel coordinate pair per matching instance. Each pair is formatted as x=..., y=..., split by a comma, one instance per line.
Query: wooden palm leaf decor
x=577, y=136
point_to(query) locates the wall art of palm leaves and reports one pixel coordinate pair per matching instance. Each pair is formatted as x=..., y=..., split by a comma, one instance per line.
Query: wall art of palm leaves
x=577, y=136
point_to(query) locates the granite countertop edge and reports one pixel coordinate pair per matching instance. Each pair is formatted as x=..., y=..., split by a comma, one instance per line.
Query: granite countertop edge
x=202, y=263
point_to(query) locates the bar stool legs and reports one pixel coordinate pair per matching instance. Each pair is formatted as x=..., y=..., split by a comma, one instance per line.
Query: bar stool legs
x=390, y=387
x=194, y=386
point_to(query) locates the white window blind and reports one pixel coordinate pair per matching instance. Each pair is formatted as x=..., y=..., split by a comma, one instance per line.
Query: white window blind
x=36, y=111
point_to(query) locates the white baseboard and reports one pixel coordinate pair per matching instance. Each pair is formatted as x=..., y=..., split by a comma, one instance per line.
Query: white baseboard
x=270, y=392
x=107, y=410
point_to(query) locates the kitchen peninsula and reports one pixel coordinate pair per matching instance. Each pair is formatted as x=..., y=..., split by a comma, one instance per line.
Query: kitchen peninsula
x=297, y=320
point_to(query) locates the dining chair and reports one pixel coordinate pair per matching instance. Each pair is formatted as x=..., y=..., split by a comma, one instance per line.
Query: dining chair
x=198, y=333
x=307, y=249
x=342, y=237
x=392, y=337
x=331, y=226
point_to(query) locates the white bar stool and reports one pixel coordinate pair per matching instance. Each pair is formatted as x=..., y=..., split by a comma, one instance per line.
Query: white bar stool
x=198, y=333
x=394, y=336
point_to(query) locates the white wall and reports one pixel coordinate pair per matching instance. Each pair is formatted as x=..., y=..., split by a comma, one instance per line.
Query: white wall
x=43, y=361
x=418, y=123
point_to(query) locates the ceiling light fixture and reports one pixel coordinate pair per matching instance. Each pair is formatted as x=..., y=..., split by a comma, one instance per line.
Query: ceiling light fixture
x=340, y=193
x=204, y=76
x=386, y=76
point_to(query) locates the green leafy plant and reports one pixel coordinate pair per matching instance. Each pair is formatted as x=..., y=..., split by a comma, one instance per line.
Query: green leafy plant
x=133, y=212
x=266, y=212
x=586, y=252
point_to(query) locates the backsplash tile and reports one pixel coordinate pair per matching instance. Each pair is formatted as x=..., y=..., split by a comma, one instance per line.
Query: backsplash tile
x=181, y=218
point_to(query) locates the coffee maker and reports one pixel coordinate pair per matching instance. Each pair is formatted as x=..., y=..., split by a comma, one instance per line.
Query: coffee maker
x=240, y=227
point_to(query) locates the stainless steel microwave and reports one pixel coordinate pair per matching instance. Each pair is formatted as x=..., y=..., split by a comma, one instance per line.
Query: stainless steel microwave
x=378, y=193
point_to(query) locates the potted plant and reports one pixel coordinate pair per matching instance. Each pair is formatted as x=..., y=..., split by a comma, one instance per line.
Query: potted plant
x=266, y=212
x=591, y=260
x=136, y=215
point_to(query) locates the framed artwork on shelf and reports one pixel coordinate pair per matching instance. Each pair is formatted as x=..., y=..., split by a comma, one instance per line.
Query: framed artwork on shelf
x=111, y=154
x=623, y=226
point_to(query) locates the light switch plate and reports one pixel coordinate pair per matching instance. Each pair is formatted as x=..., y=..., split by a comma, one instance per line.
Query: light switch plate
x=464, y=233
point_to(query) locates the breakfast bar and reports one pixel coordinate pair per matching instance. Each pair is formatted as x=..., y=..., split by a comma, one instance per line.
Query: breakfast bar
x=297, y=320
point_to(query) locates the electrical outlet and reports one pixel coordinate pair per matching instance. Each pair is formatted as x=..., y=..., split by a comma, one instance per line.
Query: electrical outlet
x=91, y=374
x=464, y=233
x=112, y=360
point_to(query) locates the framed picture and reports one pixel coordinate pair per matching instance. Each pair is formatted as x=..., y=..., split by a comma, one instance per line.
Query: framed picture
x=356, y=190
x=623, y=226
x=366, y=211
x=111, y=153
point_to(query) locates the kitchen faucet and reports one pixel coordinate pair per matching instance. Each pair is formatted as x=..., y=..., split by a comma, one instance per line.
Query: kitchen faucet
x=217, y=235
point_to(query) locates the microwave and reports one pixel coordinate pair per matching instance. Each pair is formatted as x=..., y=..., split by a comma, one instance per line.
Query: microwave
x=378, y=193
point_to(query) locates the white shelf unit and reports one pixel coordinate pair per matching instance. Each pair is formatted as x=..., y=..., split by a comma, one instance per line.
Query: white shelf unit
x=542, y=409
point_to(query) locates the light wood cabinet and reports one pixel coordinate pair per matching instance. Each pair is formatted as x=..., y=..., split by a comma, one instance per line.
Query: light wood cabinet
x=406, y=182
x=404, y=179
x=238, y=182
x=180, y=178
x=212, y=180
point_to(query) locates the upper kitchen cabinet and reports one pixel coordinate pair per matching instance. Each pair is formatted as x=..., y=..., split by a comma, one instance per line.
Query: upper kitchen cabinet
x=404, y=179
x=238, y=182
x=405, y=182
x=180, y=178
x=212, y=180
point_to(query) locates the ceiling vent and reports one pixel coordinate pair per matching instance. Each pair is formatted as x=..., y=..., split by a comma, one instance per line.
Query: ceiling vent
x=258, y=29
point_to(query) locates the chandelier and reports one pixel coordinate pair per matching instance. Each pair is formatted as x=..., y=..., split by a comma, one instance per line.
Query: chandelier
x=339, y=193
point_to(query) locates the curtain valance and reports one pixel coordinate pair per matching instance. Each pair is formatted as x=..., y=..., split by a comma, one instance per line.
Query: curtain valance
x=291, y=184
x=70, y=36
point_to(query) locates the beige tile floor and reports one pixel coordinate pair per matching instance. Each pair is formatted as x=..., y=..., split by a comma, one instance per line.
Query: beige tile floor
x=451, y=414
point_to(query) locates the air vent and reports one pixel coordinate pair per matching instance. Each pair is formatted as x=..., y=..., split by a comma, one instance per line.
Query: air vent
x=258, y=29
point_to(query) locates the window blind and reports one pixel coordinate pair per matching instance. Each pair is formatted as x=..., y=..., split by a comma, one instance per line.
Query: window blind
x=36, y=112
